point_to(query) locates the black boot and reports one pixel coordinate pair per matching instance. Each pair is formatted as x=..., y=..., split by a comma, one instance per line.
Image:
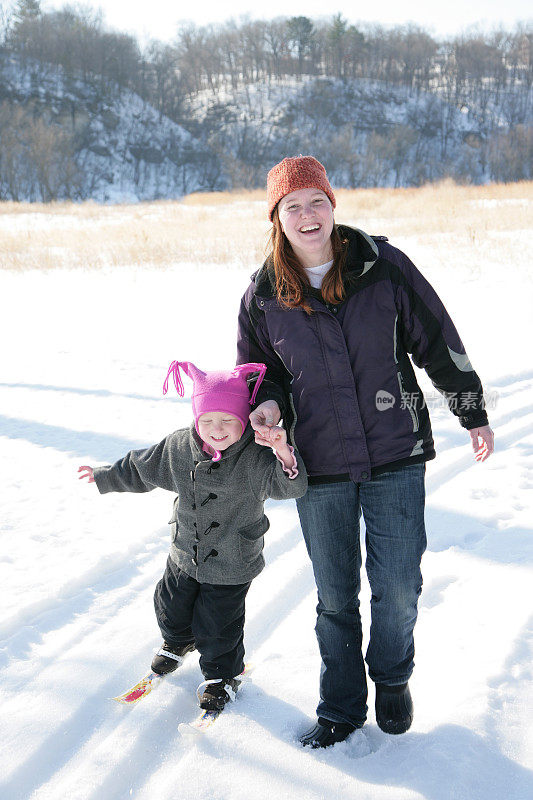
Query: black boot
x=216, y=694
x=326, y=732
x=394, y=708
x=169, y=657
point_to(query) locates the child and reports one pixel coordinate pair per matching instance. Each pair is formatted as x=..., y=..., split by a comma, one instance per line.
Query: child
x=222, y=478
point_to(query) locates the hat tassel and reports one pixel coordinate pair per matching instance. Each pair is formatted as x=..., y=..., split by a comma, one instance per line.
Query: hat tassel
x=174, y=370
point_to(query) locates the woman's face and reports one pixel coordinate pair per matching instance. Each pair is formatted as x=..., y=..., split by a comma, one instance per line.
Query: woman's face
x=306, y=217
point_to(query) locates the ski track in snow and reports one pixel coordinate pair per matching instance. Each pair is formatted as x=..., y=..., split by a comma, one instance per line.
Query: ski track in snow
x=81, y=386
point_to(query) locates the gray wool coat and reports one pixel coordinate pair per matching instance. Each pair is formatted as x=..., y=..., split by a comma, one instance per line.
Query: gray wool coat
x=218, y=520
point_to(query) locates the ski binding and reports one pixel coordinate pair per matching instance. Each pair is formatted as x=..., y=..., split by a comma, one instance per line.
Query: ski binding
x=206, y=718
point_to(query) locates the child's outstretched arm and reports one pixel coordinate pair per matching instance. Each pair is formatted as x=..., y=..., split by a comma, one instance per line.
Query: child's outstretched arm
x=137, y=471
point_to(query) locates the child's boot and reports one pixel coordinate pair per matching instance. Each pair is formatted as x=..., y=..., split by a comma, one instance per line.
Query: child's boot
x=214, y=694
x=169, y=657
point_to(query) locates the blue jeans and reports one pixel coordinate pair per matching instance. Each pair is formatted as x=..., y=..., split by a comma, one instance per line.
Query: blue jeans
x=393, y=508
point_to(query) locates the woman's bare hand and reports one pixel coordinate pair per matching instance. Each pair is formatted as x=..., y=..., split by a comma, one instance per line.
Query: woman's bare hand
x=482, y=450
x=264, y=417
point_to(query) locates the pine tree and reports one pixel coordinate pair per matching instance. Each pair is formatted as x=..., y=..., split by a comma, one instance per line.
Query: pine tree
x=301, y=35
x=26, y=10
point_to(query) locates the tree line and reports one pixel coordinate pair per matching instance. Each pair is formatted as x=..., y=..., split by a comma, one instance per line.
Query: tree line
x=227, y=55
x=476, y=72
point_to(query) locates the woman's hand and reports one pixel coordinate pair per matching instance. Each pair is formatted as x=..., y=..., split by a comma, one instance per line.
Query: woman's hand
x=264, y=417
x=87, y=473
x=486, y=434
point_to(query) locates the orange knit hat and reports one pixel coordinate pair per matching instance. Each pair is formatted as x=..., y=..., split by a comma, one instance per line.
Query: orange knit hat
x=302, y=172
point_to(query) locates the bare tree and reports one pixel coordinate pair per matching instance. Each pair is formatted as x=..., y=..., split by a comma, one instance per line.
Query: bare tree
x=13, y=178
x=191, y=46
x=510, y=155
x=277, y=47
x=37, y=160
x=51, y=154
x=163, y=62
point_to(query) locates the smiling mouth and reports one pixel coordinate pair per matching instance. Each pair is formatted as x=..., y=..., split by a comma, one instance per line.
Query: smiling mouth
x=310, y=228
x=214, y=438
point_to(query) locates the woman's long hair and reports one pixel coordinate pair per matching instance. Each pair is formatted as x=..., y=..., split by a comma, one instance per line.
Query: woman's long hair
x=291, y=277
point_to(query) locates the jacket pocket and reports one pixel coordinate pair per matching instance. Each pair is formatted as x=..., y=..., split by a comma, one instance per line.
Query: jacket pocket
x=173, y=521
x=173, y=530
x=251, y=539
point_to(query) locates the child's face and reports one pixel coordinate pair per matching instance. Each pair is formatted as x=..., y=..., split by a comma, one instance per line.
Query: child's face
x=219, y=429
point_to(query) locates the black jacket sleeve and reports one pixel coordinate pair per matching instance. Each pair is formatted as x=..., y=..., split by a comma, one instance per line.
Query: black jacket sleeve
x=254, y=347
x=430, y=336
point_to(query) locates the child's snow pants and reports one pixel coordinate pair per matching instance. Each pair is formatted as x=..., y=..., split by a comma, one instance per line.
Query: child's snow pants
x=210, y=615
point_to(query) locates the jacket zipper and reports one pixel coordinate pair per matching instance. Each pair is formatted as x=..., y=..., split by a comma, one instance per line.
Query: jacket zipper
x=291, y=399
x=412, y=411
x=326, y=365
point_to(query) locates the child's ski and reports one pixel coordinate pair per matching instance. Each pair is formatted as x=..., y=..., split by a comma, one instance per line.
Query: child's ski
x=146, y=684
x=140, y=690
x=206, y=718
x=200, y=724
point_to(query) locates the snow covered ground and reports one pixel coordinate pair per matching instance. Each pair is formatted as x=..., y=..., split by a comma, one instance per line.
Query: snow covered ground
x=84, y=355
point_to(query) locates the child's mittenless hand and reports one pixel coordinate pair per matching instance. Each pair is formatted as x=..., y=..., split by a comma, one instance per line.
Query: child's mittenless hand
x=87, y=473
x=277, y=439
x=273, y=437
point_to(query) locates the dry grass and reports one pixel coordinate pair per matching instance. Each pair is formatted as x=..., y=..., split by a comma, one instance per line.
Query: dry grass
x=442, y=207
x=229, y=228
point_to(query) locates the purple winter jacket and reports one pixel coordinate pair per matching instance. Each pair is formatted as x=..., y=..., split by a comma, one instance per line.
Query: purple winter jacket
x=343, y=376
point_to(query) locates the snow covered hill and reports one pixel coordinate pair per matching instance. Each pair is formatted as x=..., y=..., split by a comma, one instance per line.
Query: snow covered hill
x=125, y=149
x=367, y=133
x=83, y=360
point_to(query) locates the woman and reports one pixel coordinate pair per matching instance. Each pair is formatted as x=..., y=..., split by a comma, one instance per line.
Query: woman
x=335, y=315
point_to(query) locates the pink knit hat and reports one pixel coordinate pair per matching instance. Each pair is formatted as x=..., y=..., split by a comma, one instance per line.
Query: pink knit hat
x=302, y=172
x=225, y=391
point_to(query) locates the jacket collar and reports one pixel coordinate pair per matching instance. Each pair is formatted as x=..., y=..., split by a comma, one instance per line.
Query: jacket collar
x=362, y=255
x=199, y=454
